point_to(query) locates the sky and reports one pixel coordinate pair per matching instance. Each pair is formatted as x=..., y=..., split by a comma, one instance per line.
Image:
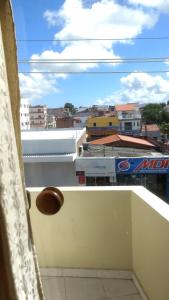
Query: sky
x=56, y=26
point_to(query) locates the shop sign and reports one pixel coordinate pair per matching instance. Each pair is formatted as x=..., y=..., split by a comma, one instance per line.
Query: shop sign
x=142, y=165
x=95, y=167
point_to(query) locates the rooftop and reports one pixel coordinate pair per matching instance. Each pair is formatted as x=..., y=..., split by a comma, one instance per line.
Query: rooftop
x=49, y=157
x=52, y=134
x=118, y=137
x=126, y=107
x=150, y=127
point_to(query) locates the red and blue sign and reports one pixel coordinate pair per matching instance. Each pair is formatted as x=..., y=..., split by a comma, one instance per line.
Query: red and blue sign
x=142, y=165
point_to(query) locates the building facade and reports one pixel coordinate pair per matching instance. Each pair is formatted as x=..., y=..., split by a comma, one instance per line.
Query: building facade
x=95, y=171
x=38, y=116
x=97, y=127
x=24, y=115
x=64, y=122
x=150, y=172
x=49, y=156
x=129, y=117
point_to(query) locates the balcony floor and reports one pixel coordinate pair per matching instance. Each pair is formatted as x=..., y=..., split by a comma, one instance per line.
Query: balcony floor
x=85, y=288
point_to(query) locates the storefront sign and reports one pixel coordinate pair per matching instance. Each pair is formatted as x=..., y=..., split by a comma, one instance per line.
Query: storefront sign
x=142, y=165
x=95, y=166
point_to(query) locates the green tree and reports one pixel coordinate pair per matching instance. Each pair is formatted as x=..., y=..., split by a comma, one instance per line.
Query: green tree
x=155, y=113
x=165, y=128
x=70, y=107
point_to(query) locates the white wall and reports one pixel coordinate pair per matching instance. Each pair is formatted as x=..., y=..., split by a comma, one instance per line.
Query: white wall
x=24, y=115
x=136, y=124
x=57, y=146
x=50, y=174
x=96, y=166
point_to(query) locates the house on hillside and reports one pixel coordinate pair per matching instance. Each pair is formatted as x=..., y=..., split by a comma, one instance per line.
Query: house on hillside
x=38, y=116
x=151, y=130
x=129, y=117
x=97, y=127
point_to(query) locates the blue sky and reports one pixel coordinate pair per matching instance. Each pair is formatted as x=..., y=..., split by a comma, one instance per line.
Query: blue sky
x=128, y=19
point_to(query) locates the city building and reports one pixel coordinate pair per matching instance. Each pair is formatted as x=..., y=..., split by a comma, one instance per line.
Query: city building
x=38, y=116
x=56, y=112
x=97, y=127
x=151, y=172
x=130, y=118
x=49, y=156
x=95, y=171
x=64, y=122
x=151, y=130
x=82, y=114
x=51, y=121
x=118, y=140
x=24, y=115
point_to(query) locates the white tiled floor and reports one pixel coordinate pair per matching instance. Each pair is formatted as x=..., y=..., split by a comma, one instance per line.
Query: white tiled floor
x=73, y=288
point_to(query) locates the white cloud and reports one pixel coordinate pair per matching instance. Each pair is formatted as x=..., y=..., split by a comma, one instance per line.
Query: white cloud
x=35, y=86
x=141, y=88
x=105, y=18
x=102, y=19
x=162, y=5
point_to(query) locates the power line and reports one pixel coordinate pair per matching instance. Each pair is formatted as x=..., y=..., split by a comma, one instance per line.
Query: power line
x=94, y=72
x=94, y=39
x=92, y=60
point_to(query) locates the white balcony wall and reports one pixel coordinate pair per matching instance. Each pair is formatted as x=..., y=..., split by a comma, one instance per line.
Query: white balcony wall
x=150, y=243
x=120, y=228
x=92, y=230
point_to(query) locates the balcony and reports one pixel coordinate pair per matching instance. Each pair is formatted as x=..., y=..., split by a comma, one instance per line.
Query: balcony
x=105, y=243
x=129, y=117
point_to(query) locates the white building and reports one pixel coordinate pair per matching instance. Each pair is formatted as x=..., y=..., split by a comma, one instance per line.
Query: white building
x=49, y=156
x=130, y=118
x=95, y=170
x=24, y=115
x=38, y=116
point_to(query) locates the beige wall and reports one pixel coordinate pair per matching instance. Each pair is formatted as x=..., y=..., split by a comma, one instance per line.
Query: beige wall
x=108, y=228
x=9, y=43
x=150, y=245
x=92, y=230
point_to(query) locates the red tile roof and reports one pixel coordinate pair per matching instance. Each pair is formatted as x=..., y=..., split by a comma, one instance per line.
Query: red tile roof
x=125, y=107
x=118, y=137
x=150, y=127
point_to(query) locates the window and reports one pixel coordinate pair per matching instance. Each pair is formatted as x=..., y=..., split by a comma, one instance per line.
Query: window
x=128, y=126
x=110, y=123
x=94, y=124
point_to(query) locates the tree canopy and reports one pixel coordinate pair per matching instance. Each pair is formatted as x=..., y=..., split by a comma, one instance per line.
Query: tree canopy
x=70, y=107
x=165, y=128
x=155, y=113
